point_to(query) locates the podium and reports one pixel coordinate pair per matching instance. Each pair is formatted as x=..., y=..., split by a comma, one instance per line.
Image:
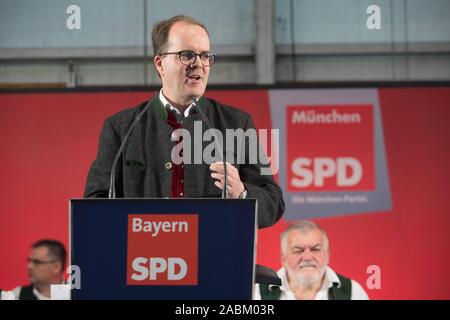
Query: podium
x=164, y=249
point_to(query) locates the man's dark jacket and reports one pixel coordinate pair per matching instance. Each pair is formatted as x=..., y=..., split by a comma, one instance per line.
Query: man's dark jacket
x=142, y=170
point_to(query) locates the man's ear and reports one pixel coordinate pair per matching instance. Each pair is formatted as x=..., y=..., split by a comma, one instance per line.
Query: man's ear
x=158, y=64
x=58, y=267
x=283, y=259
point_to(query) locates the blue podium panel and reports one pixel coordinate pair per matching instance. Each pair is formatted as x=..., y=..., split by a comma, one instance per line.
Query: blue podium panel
x=163, y=248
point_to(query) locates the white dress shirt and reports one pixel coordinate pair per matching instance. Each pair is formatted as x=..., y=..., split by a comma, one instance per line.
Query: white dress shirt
x=167, y=104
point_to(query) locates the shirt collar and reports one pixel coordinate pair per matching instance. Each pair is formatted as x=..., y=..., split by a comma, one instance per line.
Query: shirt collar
x=332, y=277
x=167, y=104
x=39, y=296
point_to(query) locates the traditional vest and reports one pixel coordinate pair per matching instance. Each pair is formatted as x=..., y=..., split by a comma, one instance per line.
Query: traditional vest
x=26, y=293
x=344, y=292
x=175, y=122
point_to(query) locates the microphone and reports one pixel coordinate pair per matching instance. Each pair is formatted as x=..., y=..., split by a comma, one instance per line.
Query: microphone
x=112, y=181
x=219, y=147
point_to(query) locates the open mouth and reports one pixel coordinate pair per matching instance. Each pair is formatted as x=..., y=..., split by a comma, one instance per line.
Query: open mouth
x=194, y=77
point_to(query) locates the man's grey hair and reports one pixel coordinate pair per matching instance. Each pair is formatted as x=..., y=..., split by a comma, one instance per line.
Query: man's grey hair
x=303, y=226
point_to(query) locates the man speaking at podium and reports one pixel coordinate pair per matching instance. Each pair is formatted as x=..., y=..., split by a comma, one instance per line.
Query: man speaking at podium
x=142, y=139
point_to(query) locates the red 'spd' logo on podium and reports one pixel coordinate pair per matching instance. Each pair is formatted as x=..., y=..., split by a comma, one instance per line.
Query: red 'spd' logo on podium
x=162, y=249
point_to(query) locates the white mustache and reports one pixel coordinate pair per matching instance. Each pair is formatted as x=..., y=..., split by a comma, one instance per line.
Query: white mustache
x=307, y=264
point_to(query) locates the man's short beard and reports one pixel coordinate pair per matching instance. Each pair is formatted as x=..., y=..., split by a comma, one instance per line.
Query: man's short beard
x=308, y=282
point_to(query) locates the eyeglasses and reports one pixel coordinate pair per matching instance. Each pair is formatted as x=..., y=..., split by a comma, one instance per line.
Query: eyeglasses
x=39, y=262
x=188, y=57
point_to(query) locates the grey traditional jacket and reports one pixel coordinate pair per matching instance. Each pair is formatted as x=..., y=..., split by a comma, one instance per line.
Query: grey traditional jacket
x=143, y=169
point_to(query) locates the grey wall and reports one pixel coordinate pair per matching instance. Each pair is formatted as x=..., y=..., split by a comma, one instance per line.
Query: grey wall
x=312, y=40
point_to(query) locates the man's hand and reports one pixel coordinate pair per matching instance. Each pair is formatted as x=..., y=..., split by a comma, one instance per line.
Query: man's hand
x=234, y=183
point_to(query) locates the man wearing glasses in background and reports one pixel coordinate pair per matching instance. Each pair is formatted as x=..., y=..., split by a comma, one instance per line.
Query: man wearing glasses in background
x=183, y=60
x=46, y=265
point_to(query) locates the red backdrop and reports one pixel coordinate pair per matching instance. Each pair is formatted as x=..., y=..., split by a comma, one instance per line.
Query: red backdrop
x=50, y=139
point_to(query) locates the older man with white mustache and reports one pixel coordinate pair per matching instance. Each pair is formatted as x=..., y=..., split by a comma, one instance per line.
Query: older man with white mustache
x=305, y=274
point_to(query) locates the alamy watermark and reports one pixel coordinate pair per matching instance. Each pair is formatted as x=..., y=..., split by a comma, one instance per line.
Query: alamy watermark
x=374, y=279
x=373, y=21
x=241, y=147
x=73, y=21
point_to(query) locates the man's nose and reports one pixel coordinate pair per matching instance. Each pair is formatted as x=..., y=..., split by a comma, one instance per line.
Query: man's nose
x=307, y=255
x=197, y=62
